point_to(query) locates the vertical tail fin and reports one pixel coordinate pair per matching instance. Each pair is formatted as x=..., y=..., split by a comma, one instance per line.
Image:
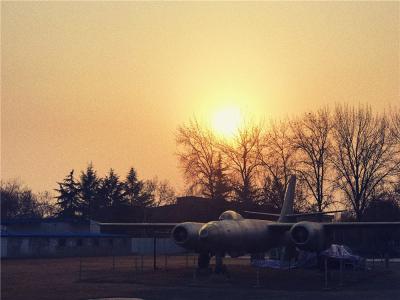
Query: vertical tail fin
x=287, y=207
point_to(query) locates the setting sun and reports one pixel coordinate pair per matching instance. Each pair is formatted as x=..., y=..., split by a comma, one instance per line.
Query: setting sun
x=226, y=121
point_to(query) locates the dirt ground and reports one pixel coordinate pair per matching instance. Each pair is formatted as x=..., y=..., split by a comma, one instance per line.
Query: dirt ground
x=90, y=278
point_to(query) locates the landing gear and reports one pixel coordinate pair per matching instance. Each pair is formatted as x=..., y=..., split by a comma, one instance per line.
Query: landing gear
x=220, y=268
x=203, y=261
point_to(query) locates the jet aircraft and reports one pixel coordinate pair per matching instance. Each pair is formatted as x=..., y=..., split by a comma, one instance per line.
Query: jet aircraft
x=234, y=235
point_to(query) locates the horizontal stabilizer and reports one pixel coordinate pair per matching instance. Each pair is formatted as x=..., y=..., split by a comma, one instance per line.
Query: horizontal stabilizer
x=261, y=213
x=315, y=213
x=294, y=215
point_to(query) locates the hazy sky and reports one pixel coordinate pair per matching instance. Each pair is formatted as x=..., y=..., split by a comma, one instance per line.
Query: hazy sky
x=110, y=82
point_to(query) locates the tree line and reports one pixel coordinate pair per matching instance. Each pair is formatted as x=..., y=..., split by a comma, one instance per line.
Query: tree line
x=349, y=154
x=18, y=201
x=89, y=197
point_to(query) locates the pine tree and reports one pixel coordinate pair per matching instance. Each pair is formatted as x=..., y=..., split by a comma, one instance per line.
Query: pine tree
x=138, y=193
x=222, y=186
x=89, y=186
x=132, y=188
x=112, y=191
x=68, y=199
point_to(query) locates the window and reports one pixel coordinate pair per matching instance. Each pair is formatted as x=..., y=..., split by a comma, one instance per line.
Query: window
x=79, y=242
x=111, y=242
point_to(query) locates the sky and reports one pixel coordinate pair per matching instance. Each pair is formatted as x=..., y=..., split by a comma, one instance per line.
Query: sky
x=110, y=82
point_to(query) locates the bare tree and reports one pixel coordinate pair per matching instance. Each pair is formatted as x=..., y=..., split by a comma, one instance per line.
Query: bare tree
x=164, y=193
x=242, y=154
x=198, y=157
x=18, y=201
x=364, y=154
x=395, y=124
x=46, y=204
x=311, y=140
x=276, y=156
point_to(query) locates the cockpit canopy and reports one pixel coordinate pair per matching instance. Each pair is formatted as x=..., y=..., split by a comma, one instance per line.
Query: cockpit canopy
x=230, y=215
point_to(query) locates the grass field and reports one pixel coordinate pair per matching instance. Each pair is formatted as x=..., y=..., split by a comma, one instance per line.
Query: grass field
x=88, y=278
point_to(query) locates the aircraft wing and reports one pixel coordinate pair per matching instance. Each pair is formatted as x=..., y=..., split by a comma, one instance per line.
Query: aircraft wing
x=280, y=227
x=363, y=237
x=139, y=224
x=349, y=225
x=137, y=229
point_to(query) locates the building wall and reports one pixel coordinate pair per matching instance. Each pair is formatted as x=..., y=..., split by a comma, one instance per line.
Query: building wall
x=143, y=246
x=46, y=227
x=36, y=246
x=19, y=247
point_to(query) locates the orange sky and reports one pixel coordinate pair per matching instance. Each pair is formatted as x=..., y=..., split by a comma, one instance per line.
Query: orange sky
x=109, y=82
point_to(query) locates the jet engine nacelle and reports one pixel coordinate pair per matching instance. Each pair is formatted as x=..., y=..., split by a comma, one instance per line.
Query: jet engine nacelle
x=308, y=236
x=187, y=235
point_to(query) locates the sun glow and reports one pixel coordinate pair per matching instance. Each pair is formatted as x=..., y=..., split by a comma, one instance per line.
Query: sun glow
x=226, y=121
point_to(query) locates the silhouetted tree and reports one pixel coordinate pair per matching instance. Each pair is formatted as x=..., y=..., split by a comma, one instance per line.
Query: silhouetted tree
x=68, y=198
x=277, y=157
x=364, y=154
x=395, y=124
x=133, y=188
x=46, y=204
x=271, y=193
x=89, y=192
x=166, y=193
x=198, y=156
x=383, y=208
x=111, y=191
x=18, y=201
x=163, y=192
x=222, y=184
x=311, y=139
x=242, y=156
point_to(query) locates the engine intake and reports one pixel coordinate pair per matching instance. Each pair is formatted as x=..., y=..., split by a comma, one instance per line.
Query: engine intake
x=308, y=236
x=187, y=234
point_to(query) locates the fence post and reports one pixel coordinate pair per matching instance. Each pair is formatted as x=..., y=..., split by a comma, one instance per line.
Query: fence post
x=80, y=268
x=141, y=262
x=341, y=272
x=257, y=278
x=326, y=272
x=154, y=253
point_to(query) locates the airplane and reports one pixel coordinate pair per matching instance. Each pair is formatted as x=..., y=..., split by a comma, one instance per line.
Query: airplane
x=234, y=235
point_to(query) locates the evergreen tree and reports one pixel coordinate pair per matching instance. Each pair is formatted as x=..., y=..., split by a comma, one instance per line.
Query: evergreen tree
x=271, y=194
x=138, y=193
x=132, y=187
x=148, y=194
x=112, y=191
x=89, y=186
x=68, y=199
x=222, y=186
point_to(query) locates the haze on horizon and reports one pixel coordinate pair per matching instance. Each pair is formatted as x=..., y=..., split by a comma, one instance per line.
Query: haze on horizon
x=109, y=82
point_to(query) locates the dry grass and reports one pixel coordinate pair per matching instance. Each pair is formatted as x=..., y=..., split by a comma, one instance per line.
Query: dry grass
x=174, y=279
